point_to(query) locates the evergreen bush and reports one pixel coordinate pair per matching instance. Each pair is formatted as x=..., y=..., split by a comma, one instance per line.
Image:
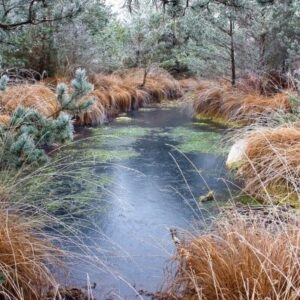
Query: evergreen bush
x=24, y=139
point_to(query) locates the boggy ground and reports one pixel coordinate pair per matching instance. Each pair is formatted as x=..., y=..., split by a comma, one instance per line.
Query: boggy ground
x=249, y=252
x=28, y=255
x=257, y=267
x=266, y=140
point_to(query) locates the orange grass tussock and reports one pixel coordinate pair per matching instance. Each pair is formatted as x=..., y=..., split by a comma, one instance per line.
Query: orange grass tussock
x=124, y=91
x=159, y=84
x=25, y=259
x=254, y=105
x=36, y=96
x=97, y=113
x=223, y=102
x=188, y=84
x=266, y=84
x=113, y=94
x=239, y=259
x=54, y=81
x=272, y=160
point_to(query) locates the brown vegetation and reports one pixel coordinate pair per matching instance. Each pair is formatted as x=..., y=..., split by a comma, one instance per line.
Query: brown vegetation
x=113, y=94
x=124, y=91
x=272, y=161
x=230, y=104
x=266, y=84
x=241, y=258
x=26, y=254
x=36, y=96
x=25, y=258
x=188, y=84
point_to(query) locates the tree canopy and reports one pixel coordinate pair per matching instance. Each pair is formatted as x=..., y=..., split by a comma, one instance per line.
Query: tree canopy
x=209, y=38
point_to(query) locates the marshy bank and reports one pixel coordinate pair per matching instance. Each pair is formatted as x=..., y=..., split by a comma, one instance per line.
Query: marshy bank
x=113, y=194
x=110, y=196
x=264, y=114
x=252, y=253
x=248, y=252
x=34, y=121
x=109, y=190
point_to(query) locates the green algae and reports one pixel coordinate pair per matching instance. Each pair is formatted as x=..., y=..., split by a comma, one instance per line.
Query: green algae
x=100, y=155
x=104, y=180
x=217, y=120
x=169, y=104
x=74, y=191
x=247, y=200
x=117, y=137
x=191, y=140
x=105, y=134
x=105, y=144
x=78, y=192
x=283, y=195
x=2, y=278
x=68, y=194
x=291, y=199
x=278, y=195
x=107, y=155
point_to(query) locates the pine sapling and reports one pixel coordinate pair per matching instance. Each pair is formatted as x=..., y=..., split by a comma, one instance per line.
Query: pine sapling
x=80, y=88
x=23, y=141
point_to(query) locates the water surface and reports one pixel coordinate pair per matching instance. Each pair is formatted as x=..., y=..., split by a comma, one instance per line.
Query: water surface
x=146, y=167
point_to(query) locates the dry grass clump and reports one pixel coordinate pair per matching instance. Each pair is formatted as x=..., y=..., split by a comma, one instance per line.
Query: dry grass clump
x=54, y=81
x=36, y=96
x=229, y=104
x=121, y=97
x=266, y=84
x=272, y=160
x=255, y=105
x=111, y=97
x=25, y=258
x=159, y=83
x=242, y=257
x=100, y=111
x=188, y=84
x=124, y=91
x=113, y=94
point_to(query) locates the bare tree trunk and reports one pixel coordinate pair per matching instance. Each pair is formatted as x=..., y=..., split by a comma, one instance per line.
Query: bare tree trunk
x=232, y=53
x=145, y=76
x=262, y=46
